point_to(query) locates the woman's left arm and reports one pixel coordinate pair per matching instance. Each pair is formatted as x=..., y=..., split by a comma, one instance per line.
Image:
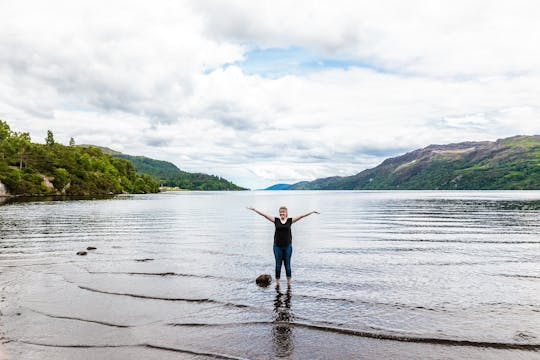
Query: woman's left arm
x=296, y=218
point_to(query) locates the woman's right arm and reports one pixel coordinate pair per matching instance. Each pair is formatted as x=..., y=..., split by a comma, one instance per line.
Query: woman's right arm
x=270, y=218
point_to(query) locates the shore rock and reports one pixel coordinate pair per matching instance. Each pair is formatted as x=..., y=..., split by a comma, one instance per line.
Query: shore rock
x=81, y=253
x=263, y=280
x=91, y=248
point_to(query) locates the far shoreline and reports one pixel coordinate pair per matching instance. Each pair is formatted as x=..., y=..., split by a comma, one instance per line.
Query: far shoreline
x=10, y=199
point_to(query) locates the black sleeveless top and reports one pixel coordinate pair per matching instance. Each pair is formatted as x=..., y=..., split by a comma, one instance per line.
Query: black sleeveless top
x=283, y=234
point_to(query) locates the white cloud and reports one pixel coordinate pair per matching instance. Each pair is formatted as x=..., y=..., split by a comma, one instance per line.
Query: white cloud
x=438, y=37
x=123, y=55
x=158, y=81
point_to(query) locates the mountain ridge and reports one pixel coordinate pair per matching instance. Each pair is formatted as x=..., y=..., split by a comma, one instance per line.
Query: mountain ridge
x=505, y=164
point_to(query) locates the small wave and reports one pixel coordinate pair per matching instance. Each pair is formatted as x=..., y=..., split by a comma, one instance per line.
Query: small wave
x=166, y=273
x=81, y=319
x=468, y=263
x=39, y=264
x=140, y=296
x=519, y=276
x=377, y=335
x=149, y=346
x=76, y=346
x=200, y=353
x=202, y=300
x=453, y=241
x=367, y=302
x=524, y=336
x=356, y=251
x=531, y=307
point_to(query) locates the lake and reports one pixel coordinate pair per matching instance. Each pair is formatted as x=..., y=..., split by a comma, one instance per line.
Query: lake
x=378, y=274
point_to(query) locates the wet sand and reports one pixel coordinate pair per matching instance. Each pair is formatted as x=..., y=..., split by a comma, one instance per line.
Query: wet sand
x=64, y=311
x=3, y=351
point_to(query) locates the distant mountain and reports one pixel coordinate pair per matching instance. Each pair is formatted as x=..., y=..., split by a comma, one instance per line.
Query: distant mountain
x=279, y=187
x=286, y=186
x=168, y=174
x=506, y=164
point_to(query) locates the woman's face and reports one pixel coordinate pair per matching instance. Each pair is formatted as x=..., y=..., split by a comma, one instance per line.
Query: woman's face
x=283, y=214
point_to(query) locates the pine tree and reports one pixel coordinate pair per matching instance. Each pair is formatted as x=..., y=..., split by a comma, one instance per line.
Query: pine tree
x=49, y=140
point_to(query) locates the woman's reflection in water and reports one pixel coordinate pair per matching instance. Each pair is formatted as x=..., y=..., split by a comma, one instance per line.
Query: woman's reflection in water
x=282, y=334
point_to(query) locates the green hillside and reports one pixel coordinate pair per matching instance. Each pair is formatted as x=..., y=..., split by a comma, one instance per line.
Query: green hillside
x=159, y=169
x=168, y=174
x=506, y=164
x=28, y=168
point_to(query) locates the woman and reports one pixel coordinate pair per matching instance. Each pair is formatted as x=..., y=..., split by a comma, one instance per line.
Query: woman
x=283, y=239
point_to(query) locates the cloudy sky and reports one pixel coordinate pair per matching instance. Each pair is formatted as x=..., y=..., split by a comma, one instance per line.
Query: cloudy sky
x=262, y=92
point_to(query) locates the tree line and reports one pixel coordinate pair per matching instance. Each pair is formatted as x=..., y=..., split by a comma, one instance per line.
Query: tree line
x=28, y=168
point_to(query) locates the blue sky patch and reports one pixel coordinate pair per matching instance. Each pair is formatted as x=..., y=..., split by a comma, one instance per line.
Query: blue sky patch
x=294, y=60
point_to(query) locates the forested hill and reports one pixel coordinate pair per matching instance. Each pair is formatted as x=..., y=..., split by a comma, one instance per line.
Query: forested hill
x=168, y=174
x=506, y=164
x=28, y=168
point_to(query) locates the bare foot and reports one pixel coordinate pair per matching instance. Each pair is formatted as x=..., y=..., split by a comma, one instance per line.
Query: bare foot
x=277, y=284
x=289, y=282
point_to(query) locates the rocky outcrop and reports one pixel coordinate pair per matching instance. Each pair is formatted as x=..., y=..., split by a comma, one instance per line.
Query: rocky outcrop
x=3, y=190
x=47, y=181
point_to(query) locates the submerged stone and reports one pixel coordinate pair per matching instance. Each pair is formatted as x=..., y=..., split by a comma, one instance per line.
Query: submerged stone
x=91, y=248
x=263, y=280
x=81, y=253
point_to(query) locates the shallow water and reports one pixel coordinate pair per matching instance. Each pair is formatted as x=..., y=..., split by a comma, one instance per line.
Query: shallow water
x=406, y=274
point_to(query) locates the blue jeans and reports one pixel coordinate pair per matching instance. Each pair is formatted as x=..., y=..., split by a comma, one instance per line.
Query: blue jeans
x=283, y=255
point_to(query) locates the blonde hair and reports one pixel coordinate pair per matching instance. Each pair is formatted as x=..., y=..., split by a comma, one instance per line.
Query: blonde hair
x=284, y=208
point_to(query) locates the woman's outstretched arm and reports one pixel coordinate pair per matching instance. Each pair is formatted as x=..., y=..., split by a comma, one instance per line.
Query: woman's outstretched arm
x=270, y=218
x=296, y=218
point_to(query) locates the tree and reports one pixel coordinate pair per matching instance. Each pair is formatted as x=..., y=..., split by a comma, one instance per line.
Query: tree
x=74, y=170
x=22, y=143
x=49, y=140
x=61, y=178
x=5, y=131
x=71, y=142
